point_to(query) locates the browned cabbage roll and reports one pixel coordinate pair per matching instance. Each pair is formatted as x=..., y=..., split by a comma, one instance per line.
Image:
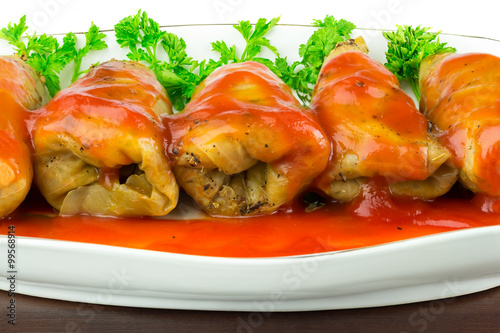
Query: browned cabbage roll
x=99, y=145
x=461, y=96
x=20, y=90
x=375, y=130
x=244, y=145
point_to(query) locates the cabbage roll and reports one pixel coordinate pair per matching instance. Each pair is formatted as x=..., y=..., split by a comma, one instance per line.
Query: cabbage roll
x=244, y=145
x=21, y=90
x=99, y=145
x=461, y=97
x=375, y=130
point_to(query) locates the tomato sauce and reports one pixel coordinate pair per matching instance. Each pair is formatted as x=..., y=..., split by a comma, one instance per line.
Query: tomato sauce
x=240, y=115
x=364, y=112
x=460, y=97
x=373, y=219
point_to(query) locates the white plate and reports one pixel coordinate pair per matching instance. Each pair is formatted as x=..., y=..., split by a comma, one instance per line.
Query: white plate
x=425, y=268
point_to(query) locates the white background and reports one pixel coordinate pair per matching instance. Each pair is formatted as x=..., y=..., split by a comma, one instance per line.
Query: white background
x=478, y=17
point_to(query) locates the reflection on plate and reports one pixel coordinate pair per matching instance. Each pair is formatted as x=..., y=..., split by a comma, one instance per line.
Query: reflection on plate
x=430, y=267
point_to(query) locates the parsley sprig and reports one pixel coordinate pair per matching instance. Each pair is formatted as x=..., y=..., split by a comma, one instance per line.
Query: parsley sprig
x=46, y=56
x=93, y=42
x=407, y=47
x=180, y=74
x=143, y=37
x=302, y=75
x=255, y=40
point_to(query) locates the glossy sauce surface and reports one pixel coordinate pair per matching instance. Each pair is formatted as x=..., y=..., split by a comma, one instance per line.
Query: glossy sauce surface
x=20, y=91
x=370, y=220
x=103, y=110
x=248, y=104
x=14, y=153
x=364, y=112
x=18, y=94
x=461, y=96
x=99, y=144
x=373, y=218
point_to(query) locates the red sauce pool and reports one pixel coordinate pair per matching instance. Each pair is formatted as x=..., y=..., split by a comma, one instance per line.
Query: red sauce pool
x=371, y=220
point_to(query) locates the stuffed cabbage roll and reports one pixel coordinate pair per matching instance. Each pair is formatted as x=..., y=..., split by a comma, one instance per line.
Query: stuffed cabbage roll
x=244, y=145
x=461, y=97
x=99, y=145
x=20, y=90
x=375, y=130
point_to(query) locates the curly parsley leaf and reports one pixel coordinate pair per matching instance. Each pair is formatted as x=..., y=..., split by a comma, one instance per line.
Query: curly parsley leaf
x=407, y=47
x=180, y=74
x=323, y=40
x=14, y=33
x=302, y=75
x=49, y=62
x=227, y=54
x=93, y=42
x=255, y=41
x=44, y=53
x=143, y=37
x=297, y=79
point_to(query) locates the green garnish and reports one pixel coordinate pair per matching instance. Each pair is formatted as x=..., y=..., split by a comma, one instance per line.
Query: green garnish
x=313, y=201
x=181, y=74
x=44, y=54
x=255, y=40
x=407, y=47
x=93, y=42
x=302, y=75
x=324, y=40
x=142, y=36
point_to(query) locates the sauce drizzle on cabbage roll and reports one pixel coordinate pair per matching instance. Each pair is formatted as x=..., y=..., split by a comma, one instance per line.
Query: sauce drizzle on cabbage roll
x=99, y=145
x=21, y=90
x=375, y=130
x=461, y=96
x=244, y=145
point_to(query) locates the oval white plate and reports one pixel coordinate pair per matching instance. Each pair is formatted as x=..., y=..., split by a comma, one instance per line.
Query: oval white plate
x=425, y=268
